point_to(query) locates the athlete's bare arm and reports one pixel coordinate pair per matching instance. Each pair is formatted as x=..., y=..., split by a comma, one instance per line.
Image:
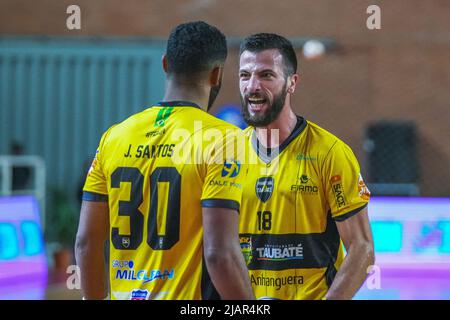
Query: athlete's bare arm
x=92, y=233
x=356, y=234
x=224, y=260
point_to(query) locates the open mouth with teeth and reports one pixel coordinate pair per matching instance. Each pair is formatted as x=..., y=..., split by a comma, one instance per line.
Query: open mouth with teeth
x=256, y=104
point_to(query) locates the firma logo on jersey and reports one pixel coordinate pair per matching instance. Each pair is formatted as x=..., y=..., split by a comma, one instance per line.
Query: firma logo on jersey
x=306, y=186
x=264, y=188
x=125, y=271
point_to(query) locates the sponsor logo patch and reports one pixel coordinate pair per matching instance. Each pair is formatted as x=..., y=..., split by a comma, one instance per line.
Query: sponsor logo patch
x=276, y=282
x=338, y=191
x=125, y=271
x=246, y=248
x=155, y=133
x=280, y=252
x=364, y=192
x=231, y=168
x=138, y=294
x=303, y=157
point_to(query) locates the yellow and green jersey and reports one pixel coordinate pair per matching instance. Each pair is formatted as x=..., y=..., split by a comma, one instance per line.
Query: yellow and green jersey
x=156, y=170
x=290, y=202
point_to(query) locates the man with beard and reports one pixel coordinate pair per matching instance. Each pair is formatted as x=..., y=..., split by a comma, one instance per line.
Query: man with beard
x=168, y=199
x=304, y=197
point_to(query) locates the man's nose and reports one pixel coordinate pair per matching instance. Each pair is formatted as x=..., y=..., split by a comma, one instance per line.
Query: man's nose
x=253, y=84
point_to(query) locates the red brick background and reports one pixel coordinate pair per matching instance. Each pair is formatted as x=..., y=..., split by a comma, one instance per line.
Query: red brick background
x=399, y=72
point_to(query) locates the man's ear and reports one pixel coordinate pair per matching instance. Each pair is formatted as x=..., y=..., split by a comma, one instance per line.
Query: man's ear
x=215, y=77
x=164, y=63
x=292, y=83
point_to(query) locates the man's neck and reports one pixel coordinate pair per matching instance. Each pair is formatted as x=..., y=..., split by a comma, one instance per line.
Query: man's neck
x=176, y=91
x=274, y=134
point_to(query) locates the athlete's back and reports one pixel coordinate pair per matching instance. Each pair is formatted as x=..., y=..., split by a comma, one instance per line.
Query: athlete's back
x=165, y=188
x=159, y=169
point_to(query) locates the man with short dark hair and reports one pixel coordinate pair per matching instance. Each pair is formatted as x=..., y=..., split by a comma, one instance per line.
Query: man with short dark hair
x=167, y=197
x=305, y=197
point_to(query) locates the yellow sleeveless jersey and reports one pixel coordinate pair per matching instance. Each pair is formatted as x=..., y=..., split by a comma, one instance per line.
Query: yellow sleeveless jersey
x=156, y=170
x=290, y=202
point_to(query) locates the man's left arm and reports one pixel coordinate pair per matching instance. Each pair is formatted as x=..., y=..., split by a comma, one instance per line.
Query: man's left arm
x=356, y=235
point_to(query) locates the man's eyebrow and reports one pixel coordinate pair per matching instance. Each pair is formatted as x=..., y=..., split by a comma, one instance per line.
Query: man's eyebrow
x=258, y=71
x=266, y=70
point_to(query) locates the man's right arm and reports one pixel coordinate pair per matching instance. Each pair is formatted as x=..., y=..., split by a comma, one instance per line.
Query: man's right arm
x=224, y=260
x=93, y=230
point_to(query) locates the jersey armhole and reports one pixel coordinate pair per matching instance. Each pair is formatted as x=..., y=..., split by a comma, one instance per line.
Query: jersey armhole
x=94, y=197
x=220, y=203
x=349, y=214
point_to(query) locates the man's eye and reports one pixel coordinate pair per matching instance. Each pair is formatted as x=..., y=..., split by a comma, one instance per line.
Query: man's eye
x=243, y=75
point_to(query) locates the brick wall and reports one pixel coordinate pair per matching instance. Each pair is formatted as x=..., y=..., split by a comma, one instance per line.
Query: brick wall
x=399, y=72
